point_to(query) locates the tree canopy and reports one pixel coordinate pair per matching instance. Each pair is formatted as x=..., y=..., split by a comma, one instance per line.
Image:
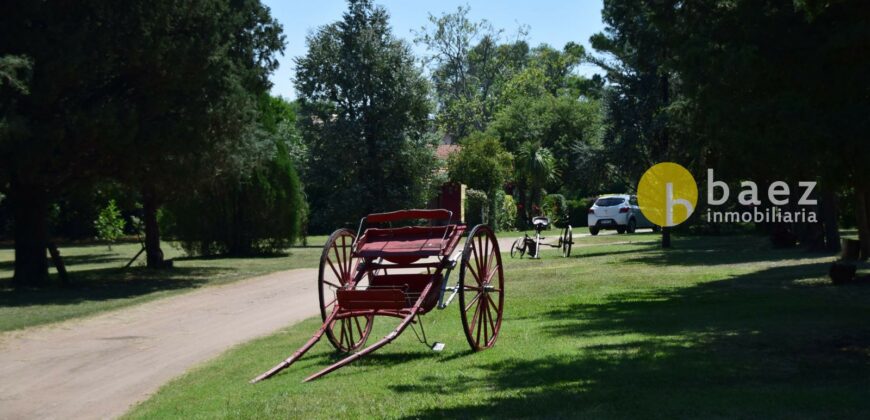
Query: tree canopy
x=141, y=92
x=364, y=114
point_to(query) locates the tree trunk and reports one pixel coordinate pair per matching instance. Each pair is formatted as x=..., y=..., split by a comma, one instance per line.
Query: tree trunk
x=494, y=210
x=153, y=253
x=30, y=210
x=665, y=143
x=523, y=215
x=57, y=260
x=828, y=209
x=862, y=216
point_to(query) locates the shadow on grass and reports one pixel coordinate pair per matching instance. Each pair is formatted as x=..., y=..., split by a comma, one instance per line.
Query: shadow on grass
x=74, y=260
x=230, y=257
x=107, y=284
x=580, y=254
x=778, y=342
x=738, y=249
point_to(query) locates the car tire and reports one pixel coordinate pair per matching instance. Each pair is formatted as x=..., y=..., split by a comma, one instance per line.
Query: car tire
x=593, y=231
x=632, y=226
x=620, y=230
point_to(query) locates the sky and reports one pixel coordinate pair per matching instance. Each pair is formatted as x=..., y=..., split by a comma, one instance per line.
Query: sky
x=553, y=22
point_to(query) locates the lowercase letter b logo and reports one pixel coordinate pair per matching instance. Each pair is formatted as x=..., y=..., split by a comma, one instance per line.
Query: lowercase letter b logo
x=667, y=194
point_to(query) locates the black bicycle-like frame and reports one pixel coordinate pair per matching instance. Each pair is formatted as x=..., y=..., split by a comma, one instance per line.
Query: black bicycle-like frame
x=532, y=245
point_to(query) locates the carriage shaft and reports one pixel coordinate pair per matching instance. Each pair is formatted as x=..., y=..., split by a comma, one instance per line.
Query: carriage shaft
x=297, y=354
x=380, y=343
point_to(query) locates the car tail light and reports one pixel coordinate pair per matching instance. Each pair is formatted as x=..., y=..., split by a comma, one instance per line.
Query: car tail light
x=623, y=210
x=591, y=211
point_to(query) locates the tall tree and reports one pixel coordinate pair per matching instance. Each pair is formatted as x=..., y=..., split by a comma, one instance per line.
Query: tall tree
x=638, y=129
x=793, y=104
x=364, y=114
x=481, y=164
x=205, y=68
x=57, y=128
x=469, y=64
x=136, y=91
x=252, y=208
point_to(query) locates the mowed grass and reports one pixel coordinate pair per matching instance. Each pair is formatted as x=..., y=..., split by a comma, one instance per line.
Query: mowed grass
x=716, y=327
x=101, y=283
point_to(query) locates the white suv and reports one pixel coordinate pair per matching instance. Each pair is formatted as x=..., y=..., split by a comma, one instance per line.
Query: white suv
x=617, y=211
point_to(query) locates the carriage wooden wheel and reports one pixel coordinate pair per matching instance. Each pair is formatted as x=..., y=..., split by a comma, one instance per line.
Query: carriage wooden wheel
x=481, y=283
x=403, y=272
x=337, y=268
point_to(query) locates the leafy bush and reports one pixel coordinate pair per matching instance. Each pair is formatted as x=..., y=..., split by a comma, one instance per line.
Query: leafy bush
x=109, y=224
x=555, y=208
x=476, y=207
x=256, y=213
x=578, y=209
x=507, y=212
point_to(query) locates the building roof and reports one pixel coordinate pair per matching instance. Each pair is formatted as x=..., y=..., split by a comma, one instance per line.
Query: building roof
x=445, y=150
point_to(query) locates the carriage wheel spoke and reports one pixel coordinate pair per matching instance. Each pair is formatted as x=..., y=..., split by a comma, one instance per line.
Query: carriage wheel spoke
x=479, y=258
x=489, y=316
x=340, y=263
x=337, y=276
x=474, y=299
x=359, y=329
x=490, y=259
x=481, y=322
x=476, y=261
x=474, y=273
x=340, y=323
x=489, y=277
x=328, y=305
x=348, y=338
x=344, y=255
x=487, y=253
x=474, y=320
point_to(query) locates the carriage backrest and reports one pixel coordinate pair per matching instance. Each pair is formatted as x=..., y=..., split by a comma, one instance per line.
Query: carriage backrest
x=407, y=240
x=412, y=214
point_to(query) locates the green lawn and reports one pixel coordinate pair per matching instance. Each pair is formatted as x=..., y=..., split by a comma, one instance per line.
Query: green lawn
x=716, y=327
x=101, y=283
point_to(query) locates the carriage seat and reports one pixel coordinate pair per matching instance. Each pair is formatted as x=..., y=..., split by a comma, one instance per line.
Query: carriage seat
x=417, y=241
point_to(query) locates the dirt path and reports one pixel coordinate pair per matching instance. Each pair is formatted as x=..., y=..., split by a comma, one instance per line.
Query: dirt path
x=98, y=367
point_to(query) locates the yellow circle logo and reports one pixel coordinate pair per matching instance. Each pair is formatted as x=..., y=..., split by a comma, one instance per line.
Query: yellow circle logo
x=667, y=194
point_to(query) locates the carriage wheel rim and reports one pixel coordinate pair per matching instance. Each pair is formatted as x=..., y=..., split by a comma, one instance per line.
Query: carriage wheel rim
x=481, y=272
x=337, y=268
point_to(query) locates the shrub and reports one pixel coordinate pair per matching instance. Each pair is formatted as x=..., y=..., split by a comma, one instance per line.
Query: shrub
x=555, y=208
x=256, y=213
x=507, y=211
x=476, y=207
x=109, y=224
x=578, y=209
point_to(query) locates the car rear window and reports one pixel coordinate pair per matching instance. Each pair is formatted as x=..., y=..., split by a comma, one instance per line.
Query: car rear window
x=609, y=201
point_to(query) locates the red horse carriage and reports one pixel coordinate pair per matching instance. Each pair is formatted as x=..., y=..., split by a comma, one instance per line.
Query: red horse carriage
x=403, y=272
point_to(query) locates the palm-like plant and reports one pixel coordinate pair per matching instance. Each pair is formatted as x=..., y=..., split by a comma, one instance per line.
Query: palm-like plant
x=535, y=167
